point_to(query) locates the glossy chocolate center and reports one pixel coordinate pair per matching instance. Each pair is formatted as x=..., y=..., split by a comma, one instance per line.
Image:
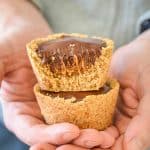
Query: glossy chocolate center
x=70, y=51
x=78, y=95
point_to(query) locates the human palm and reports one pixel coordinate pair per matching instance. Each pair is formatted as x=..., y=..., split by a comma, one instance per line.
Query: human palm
x=131, y=66
x=21, y=112
x=23, y=117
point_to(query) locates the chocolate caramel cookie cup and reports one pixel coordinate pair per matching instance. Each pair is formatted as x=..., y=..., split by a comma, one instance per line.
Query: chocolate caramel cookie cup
x=70, y=62
x=90, y=109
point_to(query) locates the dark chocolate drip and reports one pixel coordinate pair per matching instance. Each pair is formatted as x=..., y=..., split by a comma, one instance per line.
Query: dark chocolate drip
x=64, y=50
x=78, y=95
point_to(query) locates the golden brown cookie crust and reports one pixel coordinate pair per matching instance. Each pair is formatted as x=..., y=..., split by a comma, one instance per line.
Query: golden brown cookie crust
x=94, y=111
x=91, y=79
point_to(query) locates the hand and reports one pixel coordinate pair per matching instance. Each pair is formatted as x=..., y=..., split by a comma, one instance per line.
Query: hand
x=88, y=138
x=131, y=66
x=20, y=110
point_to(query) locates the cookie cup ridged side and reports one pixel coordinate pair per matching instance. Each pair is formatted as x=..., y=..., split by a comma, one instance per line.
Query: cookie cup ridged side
x=94, y=111
x=94, y=77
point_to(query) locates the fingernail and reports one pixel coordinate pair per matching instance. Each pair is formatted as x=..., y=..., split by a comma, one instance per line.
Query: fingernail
x=90, y=144
x=68, y=136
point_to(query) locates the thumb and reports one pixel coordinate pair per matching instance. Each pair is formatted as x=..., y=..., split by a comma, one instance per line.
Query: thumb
x=29, y=126
x=56, y=134
x=137, y=136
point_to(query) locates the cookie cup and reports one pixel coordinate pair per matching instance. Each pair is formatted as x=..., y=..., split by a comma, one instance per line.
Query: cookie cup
x=93, y=111
x=94, y=76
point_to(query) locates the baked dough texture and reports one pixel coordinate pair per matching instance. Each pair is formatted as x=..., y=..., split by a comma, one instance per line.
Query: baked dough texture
x=92, y=78
x=93, y=111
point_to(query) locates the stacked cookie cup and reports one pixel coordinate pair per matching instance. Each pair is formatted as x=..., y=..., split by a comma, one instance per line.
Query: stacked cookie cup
x=73, y=84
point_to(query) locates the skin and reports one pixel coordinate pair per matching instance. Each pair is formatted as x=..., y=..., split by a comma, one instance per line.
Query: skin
x=20, y=109
x=130, y=65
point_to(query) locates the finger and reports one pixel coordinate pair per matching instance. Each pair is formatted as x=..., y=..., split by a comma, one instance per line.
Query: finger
x=119, y=144
x=89, y=138
x=108, y=140
x=30, y=128
x=56, y=134
x=121, y=121
x=71, y=147
x=129, y=112
x=113, y=131
x=124, y=104
x=129, y=98
x=14, y=82
x=42, y=146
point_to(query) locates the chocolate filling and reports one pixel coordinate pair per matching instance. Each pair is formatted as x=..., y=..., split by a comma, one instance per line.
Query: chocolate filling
x=69, y=51
x=78, y=95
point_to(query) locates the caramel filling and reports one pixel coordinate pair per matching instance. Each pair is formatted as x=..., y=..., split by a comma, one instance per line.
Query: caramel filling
x=69, y=51
x=78, y=95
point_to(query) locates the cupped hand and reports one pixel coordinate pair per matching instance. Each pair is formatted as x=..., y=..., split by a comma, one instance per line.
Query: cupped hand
x=22, y=115
x=21, y=112
x=20, y=109
x=88, y=139
x=131, y=66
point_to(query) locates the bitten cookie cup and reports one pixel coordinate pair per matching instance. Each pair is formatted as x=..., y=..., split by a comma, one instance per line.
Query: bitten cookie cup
x=93, y=111
x=80, y=74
